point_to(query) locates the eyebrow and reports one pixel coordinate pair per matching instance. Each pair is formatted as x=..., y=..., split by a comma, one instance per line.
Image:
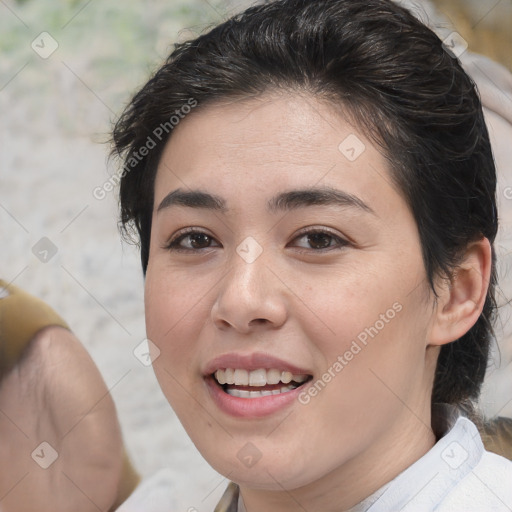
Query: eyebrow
x=192, y=199
x=285, y=201
x=294, y=199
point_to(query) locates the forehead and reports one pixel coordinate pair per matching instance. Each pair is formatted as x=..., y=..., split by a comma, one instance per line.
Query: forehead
x=272, y=142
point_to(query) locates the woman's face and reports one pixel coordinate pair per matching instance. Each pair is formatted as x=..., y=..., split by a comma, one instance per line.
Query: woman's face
x=280, y=250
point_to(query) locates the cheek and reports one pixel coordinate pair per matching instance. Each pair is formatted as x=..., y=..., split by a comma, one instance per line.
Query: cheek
x=372, y=319
x=175, y=313
x=175, y=304
x=342, y=305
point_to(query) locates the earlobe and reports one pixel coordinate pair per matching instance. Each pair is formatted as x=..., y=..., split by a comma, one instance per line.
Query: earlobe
x=462, y=297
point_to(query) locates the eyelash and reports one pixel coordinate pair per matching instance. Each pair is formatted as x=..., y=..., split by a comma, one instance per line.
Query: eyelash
x=173, y=244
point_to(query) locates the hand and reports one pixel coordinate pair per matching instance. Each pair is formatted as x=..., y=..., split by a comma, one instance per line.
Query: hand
x=55, y=394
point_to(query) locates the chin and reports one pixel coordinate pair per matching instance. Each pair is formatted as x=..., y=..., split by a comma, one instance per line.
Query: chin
x=272, y=473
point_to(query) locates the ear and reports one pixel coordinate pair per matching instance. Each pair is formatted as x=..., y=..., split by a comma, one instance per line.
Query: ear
x=462, y=297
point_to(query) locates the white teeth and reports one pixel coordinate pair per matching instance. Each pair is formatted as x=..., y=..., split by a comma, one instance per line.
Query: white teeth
x=243, y=393
x=230, y=376
x=241, y=377
x=257, y=378
x=286, y=377
x=273, y=376
x=220, y=375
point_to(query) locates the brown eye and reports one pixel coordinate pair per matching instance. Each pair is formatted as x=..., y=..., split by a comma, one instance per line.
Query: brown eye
x=319, y=240
x=192, y=241
x=199, y=240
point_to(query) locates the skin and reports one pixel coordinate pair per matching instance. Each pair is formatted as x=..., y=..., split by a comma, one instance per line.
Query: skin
x=55, y=394
x=299, y=303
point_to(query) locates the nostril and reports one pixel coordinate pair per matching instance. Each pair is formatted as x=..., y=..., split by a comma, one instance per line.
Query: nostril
x=258, y=321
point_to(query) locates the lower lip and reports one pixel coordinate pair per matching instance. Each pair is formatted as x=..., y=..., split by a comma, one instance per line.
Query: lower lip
x=250, y=407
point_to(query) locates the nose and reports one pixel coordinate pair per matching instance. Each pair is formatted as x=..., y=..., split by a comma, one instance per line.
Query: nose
x=250, y=297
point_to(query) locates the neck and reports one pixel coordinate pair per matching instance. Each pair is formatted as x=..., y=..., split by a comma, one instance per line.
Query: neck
x=357, y=479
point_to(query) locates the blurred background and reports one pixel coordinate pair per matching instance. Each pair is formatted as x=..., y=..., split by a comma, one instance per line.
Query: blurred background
x=67, y=69
x=485, y=24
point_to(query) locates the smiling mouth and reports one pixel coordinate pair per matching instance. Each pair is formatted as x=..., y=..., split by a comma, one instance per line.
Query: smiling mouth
x=259, y=383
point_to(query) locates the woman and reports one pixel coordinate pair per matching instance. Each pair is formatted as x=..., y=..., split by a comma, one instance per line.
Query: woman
x=313, y=189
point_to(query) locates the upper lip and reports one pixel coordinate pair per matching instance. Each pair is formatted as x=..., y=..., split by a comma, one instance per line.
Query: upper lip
x=250, y=362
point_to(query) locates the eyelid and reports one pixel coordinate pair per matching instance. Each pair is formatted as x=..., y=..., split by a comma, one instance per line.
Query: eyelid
x=322, y=229
x=182, y=233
